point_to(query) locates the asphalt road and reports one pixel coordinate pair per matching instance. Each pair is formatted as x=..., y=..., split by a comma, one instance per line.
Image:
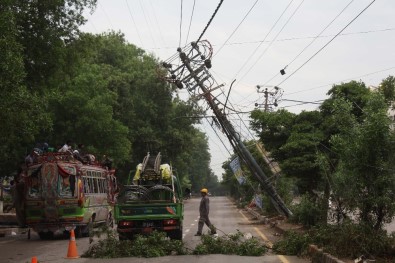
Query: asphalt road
x=223, y=214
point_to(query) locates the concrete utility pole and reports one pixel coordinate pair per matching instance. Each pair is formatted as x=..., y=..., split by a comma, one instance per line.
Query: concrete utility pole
x=271, y=97
x=194, y=75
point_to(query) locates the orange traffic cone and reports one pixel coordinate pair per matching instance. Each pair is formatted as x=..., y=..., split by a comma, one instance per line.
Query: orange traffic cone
x=72, y=251
x=34, y=259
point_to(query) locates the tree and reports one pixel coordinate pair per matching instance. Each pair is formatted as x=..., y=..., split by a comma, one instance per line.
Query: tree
x=387, y=88
x=293, y=141
x=272, y=128
x=114, y=103
x=44, y=29
x=354, y=92
x=21, y=114
x=34, y=36
x=364, y=178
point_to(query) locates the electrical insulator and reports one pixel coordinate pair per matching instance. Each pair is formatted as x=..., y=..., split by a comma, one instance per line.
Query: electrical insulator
x=179, y=84
x=207, y=63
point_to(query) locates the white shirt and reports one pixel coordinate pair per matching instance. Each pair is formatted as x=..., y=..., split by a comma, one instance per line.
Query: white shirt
x=64, y=148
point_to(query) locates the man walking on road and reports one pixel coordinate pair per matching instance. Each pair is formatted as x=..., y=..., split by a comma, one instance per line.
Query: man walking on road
x=204, y=209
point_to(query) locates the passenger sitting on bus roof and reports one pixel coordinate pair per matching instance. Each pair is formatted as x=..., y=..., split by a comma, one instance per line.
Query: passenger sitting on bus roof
x=78, y=154
x=66, y=147
x=38, y=149
x=45, y=147
x=31, y=158
x=106, y=162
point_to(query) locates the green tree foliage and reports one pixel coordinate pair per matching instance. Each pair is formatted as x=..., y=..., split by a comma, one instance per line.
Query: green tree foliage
x=44, y=28
x=294, y=144
x=114, y=102
x=83, y=112
x=34, y=35
x=345, y=149
x=198, y=170
x=21, y=114
x=273, y=129
x=387, y=88
x=354, y=92
x=366, y=151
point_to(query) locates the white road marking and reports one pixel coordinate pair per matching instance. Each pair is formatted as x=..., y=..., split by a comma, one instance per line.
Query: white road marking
x=186, y=231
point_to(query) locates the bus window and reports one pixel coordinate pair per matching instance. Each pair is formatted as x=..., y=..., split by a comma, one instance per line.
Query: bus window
x=86, y=185
x=92, y=187
x=97, y=181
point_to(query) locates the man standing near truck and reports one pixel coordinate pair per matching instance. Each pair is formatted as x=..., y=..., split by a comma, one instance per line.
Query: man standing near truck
x=204, y=210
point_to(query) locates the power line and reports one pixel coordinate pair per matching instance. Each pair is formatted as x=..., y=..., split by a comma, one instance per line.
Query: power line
x=211, y=19
x=259, y=58
x=256, y=49
x=318, y=87
x=305, y=102
x=321, y=86
x=289, y=106
x=312, y=41
x=327, y=43
x=107, y=17
x=190, y=21
x=234, y=31
x=179, y=42
x=157, y=23
x=146, y=21
x=93, y=25
x=135, y=26
x=295, y=38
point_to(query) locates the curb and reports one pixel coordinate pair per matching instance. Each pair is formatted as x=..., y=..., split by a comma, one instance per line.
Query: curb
x=12, y=231
x=318, y=256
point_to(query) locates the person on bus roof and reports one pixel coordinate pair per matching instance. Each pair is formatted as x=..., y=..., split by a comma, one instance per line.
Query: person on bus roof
x=31, y=158
x=78, y=154
x=66, y=147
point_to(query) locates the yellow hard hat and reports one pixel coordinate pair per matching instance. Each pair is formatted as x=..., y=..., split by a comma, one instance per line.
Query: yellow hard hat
x=204, y=190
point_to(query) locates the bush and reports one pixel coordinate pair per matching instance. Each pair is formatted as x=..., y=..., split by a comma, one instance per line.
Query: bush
x=233, y=244
x=352, y=240
x=346, y=240
x=154, y=245
x=293, y=243
x=157, y=244
x=307, y=213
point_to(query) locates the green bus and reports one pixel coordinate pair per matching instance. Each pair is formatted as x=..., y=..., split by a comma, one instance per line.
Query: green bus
x=60, y=193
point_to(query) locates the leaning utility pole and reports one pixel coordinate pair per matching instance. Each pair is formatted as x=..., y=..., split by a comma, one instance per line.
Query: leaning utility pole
x=193, y=73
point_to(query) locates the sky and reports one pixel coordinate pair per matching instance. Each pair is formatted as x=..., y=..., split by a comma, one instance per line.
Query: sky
x=318, y=43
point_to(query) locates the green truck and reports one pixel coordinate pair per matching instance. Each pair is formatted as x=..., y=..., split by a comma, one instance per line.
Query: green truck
x=152, y=202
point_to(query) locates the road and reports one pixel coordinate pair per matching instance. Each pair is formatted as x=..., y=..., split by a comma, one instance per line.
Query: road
x=223, y=214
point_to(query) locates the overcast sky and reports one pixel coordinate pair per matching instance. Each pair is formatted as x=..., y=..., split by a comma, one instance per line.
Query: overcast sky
x=253, y=40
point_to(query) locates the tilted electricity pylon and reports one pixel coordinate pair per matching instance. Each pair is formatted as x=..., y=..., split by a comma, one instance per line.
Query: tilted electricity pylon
x=193, y=74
